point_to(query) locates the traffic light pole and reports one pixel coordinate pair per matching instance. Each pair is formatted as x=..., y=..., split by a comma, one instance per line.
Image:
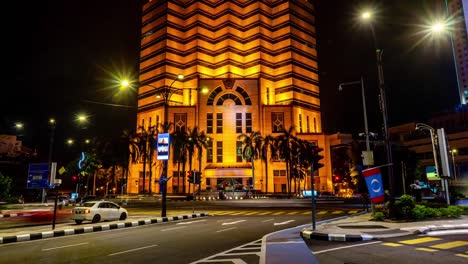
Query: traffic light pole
x=313, y=194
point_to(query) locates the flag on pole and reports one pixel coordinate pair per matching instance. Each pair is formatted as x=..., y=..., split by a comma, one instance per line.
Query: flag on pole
x=374, y=183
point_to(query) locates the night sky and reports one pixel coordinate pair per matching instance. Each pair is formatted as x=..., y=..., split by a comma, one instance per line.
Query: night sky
x=61, y=54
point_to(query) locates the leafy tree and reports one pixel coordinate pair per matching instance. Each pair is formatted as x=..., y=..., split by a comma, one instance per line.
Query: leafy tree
x=5, y=186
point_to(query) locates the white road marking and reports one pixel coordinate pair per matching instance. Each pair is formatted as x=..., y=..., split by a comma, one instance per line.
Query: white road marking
x=268, y=220
x=173, y=228
x=130, y=250
x=338, y=248
x=446, y=232
x=74, y=245
x=222, y=230
x=283, y=223
x=190, y=222
x=235, y=222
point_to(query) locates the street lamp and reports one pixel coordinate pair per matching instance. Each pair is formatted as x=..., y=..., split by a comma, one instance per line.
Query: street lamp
x=52, y=124
x=368, y=159
x=167, y=93
x=421, y=126
x=366, y=17
x=454, y=152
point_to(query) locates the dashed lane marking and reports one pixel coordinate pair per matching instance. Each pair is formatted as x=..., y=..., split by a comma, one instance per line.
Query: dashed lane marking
x=419, y=240
x=427, y=249
x=450, y=245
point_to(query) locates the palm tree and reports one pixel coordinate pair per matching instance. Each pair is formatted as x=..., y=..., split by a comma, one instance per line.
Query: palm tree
x=195, y=137
x=179, y=141
x=284, y=145
x=251, y=149
x=143, y=149
x=127, y=149
x=202, y=144
x=267, y=144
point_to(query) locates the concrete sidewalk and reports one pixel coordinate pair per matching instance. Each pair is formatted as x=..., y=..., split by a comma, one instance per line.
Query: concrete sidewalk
x=361, y=227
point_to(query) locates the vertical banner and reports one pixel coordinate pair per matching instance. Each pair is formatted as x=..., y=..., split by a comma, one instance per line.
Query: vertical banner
x=162, y=146
x=375, y=186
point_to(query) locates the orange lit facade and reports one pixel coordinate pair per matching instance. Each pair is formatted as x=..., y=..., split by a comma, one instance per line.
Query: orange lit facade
x=258, y=62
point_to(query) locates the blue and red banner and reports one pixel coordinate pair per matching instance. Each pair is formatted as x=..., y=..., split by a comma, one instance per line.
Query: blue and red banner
x=375, y=186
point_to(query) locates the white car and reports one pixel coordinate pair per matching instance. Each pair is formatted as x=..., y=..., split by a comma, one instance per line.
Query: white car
x=96, y=211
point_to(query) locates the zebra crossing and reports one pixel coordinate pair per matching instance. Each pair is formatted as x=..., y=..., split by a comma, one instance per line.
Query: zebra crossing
x=433, y=244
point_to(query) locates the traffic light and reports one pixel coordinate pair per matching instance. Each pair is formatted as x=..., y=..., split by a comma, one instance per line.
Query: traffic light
x=196, y=177
x=74, y=178
x=190, y=176
x=315, y=157
x=336, y=178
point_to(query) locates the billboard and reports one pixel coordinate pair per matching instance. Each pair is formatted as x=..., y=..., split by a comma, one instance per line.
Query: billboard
x=162, y=146
x=38, y=176
x=431, y=173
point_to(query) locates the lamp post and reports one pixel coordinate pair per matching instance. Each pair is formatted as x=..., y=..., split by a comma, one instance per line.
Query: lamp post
x=453, y=152
x=368, y=157
x=52, y=124
x=167, y=93
x=422, y=126
x=367, y=17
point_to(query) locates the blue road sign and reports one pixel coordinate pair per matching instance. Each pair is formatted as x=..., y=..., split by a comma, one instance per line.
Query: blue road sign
x=38, y=176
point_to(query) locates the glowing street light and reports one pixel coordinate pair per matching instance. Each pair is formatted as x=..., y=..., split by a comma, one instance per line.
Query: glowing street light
x=438, y=27
x=19, y=125
x=81, y=118
x=124, y=84
x=366, y=15
x=383, y=102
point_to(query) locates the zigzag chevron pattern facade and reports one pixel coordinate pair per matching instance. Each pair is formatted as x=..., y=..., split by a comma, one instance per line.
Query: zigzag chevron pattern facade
x=258, y=61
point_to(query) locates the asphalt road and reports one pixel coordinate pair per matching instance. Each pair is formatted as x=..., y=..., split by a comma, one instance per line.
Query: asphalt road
x=172, y=242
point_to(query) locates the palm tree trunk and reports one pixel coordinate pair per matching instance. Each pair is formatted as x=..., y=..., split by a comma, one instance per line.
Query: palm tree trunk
x=144, y=166
x=150, y=171
x=266, y=175
x=184, y=175
x=253, y=174
x=288, y=179
x=178, y=176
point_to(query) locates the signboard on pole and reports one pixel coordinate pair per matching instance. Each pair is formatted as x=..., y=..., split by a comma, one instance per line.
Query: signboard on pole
x=38, y=176
x=162, y=146
x=375, y=186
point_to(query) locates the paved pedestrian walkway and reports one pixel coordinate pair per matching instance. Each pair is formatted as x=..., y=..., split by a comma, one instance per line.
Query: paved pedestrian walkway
x=362, y=227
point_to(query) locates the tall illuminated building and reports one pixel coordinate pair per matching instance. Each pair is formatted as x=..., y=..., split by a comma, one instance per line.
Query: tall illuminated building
x=258, y=62
x=458, y=12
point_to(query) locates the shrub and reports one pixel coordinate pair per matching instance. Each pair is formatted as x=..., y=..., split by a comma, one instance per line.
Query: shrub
x=433, y=212
x=419, y=212
x=453, y=211
x=404, y=207
x=378, y=216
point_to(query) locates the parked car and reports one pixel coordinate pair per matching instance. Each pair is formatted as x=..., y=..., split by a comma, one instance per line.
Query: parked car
x=96, y=211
